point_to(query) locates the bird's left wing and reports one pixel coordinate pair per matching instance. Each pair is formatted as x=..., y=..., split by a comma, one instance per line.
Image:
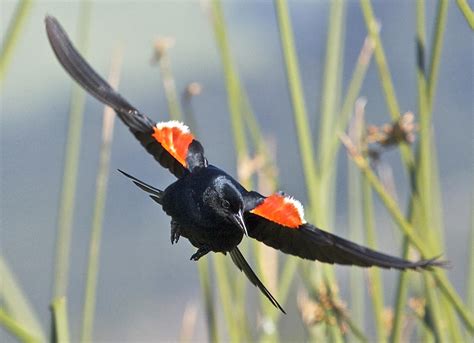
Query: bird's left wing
x=278, y=221
x=171, y=143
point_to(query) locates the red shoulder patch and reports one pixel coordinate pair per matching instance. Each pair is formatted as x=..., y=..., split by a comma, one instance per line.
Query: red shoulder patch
x=175, y=138
x=282, y=210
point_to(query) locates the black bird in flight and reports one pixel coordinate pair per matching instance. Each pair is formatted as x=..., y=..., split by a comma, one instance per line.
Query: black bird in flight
x=208, y=206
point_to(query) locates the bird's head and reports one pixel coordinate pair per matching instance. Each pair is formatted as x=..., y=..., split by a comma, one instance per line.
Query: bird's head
x=224, y=199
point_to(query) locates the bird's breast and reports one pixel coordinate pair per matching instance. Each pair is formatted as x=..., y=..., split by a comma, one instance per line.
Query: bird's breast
x=184, y=202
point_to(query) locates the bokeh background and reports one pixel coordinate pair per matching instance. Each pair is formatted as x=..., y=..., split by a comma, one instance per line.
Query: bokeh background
x=145, y=283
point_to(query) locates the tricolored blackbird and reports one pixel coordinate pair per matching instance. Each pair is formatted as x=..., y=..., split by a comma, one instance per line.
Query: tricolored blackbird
x=208, y=206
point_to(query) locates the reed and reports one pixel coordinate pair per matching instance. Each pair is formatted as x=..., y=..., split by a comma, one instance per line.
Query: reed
x=12, y=35
x=437, y=313
x=99, y=207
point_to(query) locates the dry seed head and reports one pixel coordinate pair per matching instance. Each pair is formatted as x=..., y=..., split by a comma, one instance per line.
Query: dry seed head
x=418, y=306
x=387, y=318
x=193, y=89
x=403, y=130
x=311, y=312
x=162, y=45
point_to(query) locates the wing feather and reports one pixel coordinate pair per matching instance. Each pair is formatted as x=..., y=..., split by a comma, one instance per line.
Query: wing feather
x=179, y=154
x=309, y=242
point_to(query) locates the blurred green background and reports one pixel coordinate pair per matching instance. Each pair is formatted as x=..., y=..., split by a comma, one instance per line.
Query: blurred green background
x=145, y=283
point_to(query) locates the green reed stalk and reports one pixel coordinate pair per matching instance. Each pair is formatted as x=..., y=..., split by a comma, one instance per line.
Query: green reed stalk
x=17, y=329
x=231, y=80
x=330, y=91
x=401, y=297
x=71, y=164
x=355, y=85
x=392, y=207
x=60, y=322
x=99, y=208
x=14, y=30
x=355, y=213
x=385, y=76
x=299, y=106
x=470, y=272
x=225, y=295
x=304, y=137
x=423, y=172
x=440, y=23
x=428, y=178
x=380, y=57
x=407, y=157
x=211, y=318
x=299, y=112
x=354, y=222
x=436, y=48
x=375, y=279
x=169, y=85
x=329, y=107
x=466, y=11
x=16, y=303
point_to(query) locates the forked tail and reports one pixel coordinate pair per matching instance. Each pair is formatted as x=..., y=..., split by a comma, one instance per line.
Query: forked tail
x=154, y=193
x=242, y=264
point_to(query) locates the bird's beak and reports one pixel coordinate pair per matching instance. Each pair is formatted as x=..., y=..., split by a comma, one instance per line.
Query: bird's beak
x=239, y=220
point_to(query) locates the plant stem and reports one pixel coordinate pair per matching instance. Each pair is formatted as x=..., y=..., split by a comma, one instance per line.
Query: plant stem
x=466, y=12
x=354, y=222
x=231, y=79
x=401, y=297
x=332, y=69
x=71, y=164
x=392, y=207
x=16, y=329
x=353, y=91
x=376, y=286
x=226, y=297
x=211, y=319
x=424, y=175
x=169, y=87
x=99, y=208
x=436, y=48
x=14, y=30
x=297, y=99
x=60, y=322
x=385, y=76
x=16, y=303
x=470, y=272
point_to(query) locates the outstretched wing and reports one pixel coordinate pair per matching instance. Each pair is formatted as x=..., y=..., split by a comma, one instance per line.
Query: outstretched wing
x=242, y=264
x=170, y=143
x=278, y=221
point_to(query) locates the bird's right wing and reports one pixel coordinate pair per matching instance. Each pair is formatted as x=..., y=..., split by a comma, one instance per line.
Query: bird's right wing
x=278, y=221
x=171, y=143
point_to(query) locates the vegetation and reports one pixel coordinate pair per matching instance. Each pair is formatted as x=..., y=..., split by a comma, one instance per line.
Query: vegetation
x=426, y=301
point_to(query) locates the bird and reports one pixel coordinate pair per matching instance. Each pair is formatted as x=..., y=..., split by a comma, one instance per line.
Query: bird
x=208, y=206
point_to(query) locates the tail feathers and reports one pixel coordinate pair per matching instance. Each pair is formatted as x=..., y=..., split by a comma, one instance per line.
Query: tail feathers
x=242, y=264
x=155, y=193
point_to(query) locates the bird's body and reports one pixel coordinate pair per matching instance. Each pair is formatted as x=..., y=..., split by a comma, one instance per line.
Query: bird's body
x=187, y=202
x=209, y=207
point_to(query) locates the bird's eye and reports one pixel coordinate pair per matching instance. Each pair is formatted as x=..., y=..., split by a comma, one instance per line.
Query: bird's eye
x=225, y=204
